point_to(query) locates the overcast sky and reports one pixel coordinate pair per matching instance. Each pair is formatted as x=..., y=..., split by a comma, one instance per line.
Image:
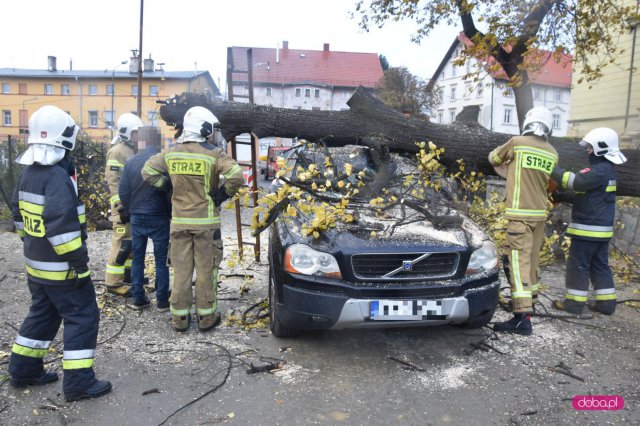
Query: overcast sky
x=194, y=34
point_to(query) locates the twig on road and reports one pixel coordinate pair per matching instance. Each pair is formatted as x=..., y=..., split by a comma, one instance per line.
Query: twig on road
x=150, y=391
x=562, y=368
x=7, y=323
x=124, y=323
x=407, y=365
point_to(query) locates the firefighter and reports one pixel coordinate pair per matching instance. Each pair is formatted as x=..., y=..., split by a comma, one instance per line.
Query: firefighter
x=592, y=191
x=118, y=268
x=194, y=167
x=51, y=222
x=527, y=162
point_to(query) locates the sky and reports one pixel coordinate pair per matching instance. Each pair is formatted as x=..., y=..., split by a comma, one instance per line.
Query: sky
x=194, y=34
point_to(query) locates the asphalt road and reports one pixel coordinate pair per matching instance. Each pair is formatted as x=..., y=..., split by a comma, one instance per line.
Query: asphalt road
x=422, y=376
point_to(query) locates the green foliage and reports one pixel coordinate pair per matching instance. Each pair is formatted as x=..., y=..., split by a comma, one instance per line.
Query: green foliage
x=384, y=63
x=89, y=159
x=405, y=92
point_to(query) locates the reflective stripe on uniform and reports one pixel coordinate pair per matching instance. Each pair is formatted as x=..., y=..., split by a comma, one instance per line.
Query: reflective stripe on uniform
x=567, y=180
x=590, y=230
x=179, y=312
x=47, y=266
x=114, y=163
x=32, y=343
x=114, y=199
x=65, y=243
x=496, y=159
x=31, y=197
x=606, y=294
x=55, y=271
x=577, y=295
x=196, y=221
x=72, y=360
x=525, y=212
x=150, y=170
x=515, y=266
x=205, y=311
x=128, y=263
x=214, y=305
x=232, y=171
x=612, y=186
x=81, y=214
x=30, y=352
x=521, y=294
x=115, y=269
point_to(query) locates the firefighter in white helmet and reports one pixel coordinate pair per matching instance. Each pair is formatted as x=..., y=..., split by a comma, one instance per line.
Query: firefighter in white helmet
x=529, y=161
x=592, y=191
x=195, y=168
x=51, y=222
x=118, y=268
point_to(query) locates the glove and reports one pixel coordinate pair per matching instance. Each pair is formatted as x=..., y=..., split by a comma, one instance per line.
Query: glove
x=83, y=277
x=219, y=196
x=124, y=215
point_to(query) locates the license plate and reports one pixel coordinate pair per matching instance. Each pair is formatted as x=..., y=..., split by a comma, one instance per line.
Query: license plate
x=406, y=310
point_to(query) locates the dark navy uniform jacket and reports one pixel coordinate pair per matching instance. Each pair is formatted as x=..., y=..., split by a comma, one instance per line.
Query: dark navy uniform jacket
x=593, y=198
x=51, y=220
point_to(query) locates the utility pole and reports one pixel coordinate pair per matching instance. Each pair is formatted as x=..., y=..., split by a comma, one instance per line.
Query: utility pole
x=140, y=62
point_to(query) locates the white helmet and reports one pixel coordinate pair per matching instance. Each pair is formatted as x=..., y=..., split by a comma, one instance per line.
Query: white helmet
x=198, y=124
x=127, y=123
x=52, y=126
x=538, y=121
x=604, y=141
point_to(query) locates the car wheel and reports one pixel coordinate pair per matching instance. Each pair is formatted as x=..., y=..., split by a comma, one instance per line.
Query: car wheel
x=276, y=326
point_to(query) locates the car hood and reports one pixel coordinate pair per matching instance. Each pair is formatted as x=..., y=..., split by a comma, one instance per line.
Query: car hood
x=401, y=230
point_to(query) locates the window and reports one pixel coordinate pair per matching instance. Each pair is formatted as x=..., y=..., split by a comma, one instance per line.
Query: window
x=307, y=93
x=453, y=70
x=557, y=95
x=537, y=93
x=556, y=121
x=467, y=90
x=441, y=94
x=452, y=93
x=268, y=91
x=440, y=115
x=298, y=91
x=108, y=118
x=316, y=93
x=48, y=89
x=22, y=88
x=508, y=92
x=153, y=90
x=93, y=118
x=6, y=88
x=152, y=118
x=480, y=90
x=134, y=90
x=93, y=90
x=442, y=75
x=6, y=117
x=346, y=95
x=507, y=116
x=64, y=89
x=109, y=89
x=452, y=115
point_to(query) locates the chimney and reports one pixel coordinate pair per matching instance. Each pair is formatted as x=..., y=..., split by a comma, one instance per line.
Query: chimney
x=52, y=63
x=133, y=65
x=285, y=45
x=326, y=47
x=148, y=65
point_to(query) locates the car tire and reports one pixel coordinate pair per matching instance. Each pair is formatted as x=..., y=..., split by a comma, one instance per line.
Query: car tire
x=275, y=325
x=479, y=321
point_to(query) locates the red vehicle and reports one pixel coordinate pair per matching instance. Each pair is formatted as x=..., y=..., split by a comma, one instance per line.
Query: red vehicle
x=271, y=167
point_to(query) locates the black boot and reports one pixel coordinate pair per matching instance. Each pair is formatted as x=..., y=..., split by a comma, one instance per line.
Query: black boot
x=519, y=324
x=45, y=378
x=99, y=388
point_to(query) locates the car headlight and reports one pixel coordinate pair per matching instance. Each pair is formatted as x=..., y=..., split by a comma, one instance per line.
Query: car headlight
x=483, y=259
x=301, y=259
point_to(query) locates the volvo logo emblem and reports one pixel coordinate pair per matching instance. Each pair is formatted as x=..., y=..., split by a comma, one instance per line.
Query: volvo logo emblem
x=407, y=265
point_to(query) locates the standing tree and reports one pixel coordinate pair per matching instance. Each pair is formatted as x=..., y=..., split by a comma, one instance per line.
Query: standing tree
x=514, y=32
x=405, y=92
x=384, y=62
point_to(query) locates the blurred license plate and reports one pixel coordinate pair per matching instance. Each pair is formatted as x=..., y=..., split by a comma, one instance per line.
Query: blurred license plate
x=406, y=310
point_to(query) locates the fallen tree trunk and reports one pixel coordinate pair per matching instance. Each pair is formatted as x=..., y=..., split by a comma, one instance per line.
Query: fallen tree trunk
x=369, y=118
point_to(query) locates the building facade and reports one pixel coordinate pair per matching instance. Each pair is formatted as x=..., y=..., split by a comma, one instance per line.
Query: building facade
x=95, y=99
x=614, y=100
x=551, y=88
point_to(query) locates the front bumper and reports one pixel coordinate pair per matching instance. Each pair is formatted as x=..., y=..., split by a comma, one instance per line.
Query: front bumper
x=305, y=309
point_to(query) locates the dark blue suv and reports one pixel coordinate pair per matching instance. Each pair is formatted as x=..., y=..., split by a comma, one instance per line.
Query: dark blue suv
x=398, y=267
